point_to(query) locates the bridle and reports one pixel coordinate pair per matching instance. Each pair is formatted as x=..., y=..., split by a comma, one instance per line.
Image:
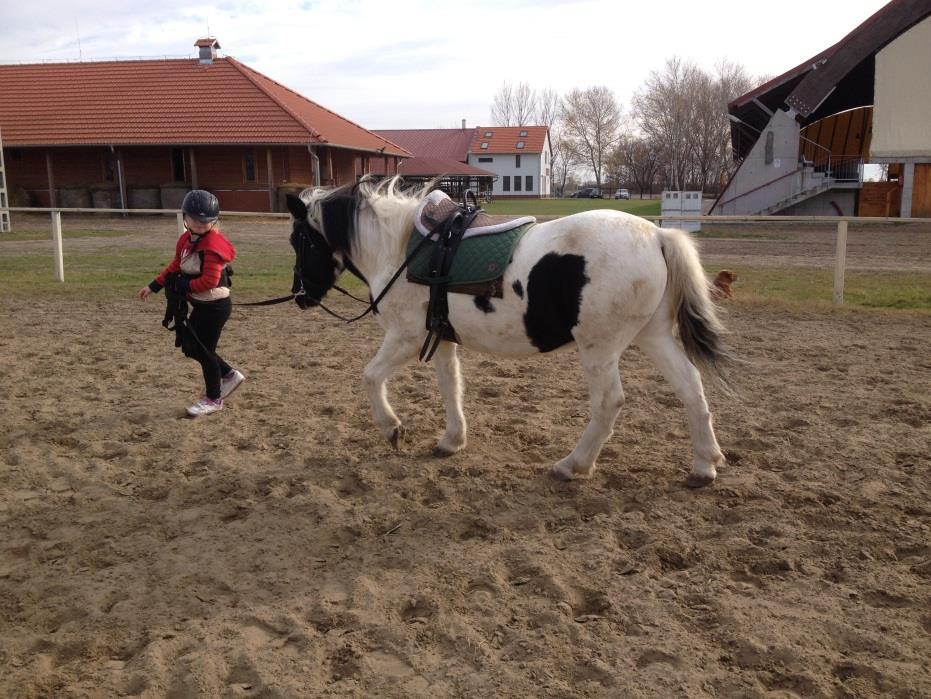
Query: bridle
x=304, y=300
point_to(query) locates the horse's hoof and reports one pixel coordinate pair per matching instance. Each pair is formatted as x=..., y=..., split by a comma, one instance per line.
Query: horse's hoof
x=698, y=480
x=442, y=452
x=397, y=436
x=562, y=472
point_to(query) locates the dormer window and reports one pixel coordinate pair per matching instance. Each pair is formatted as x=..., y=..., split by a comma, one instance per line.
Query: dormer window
x=523, y=134
x=520, y=145
x=485, y=145
x=488, y=134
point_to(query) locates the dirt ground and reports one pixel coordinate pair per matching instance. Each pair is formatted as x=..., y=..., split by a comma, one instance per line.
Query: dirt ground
x=282, y=548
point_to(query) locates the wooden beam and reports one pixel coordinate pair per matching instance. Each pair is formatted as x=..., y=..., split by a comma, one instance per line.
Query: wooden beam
x=272, y=199
x=52, y=197
x=193, y=168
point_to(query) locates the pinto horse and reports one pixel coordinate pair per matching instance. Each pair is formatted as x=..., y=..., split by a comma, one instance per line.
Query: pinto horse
x=598, y=280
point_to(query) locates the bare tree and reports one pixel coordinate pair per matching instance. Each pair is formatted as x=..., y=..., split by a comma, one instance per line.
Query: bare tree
x=565, y=159
x=640, y=160
x=662, y=111
x=592, y=122
x=731, y=82
x=513, y=106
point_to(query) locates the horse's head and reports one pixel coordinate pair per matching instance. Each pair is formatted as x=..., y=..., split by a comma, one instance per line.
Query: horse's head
x=321, y=234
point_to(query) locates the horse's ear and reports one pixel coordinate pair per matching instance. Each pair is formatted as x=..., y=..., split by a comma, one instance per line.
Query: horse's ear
x=297, y=207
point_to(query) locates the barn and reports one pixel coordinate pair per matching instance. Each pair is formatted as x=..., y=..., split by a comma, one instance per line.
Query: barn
x=803, y=138
x=139, y=134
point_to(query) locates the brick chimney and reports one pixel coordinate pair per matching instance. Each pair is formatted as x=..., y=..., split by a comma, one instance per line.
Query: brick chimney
x=208, y=49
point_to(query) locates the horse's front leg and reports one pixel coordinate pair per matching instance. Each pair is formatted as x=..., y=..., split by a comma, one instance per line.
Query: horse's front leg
x=450, y=382
x=395, y=352
x=607, y=397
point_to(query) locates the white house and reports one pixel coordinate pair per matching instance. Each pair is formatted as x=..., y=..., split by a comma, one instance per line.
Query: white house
x=518, y=155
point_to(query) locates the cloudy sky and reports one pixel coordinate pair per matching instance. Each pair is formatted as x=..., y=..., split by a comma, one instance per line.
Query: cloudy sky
x=430, y=64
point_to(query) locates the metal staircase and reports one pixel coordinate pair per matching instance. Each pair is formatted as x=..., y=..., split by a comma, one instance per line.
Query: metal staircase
x=4, y=200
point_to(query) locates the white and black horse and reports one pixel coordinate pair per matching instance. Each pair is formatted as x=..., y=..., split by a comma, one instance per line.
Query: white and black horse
x=598, y=280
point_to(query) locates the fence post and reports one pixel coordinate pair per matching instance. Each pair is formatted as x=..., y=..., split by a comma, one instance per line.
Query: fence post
x=840, y=262
x=180, y=224
x=58, y=258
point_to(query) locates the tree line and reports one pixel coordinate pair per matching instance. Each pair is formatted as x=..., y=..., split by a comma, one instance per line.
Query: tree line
x=675, y=134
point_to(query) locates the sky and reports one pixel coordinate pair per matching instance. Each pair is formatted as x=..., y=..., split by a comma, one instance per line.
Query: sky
x=410, y=64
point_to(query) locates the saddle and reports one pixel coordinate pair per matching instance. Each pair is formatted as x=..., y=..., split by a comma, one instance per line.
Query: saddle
x=466, y=252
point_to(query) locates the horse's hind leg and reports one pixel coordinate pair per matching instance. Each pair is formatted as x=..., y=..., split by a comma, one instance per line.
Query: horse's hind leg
x=606, y=396
x=394, y=352
x=450, y=382
x=671, y=359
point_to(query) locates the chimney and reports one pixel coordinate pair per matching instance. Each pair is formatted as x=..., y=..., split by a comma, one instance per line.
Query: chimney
x=208, y=49
x=463, y=124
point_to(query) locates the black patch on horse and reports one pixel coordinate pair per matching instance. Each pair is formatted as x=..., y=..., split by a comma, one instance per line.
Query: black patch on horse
x=483, y=303
x=518, y=288
x=338, y=214
x=554, y=295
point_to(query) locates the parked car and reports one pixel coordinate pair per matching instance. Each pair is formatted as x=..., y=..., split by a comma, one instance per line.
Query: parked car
x=622, y=194
x=588, y=193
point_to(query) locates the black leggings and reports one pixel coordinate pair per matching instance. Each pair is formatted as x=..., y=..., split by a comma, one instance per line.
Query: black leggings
x=207, y=320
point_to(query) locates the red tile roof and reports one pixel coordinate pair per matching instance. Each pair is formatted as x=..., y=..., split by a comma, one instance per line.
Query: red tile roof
x=431, y=167
x=449, y=144
x=169, y=101
x=504, y=139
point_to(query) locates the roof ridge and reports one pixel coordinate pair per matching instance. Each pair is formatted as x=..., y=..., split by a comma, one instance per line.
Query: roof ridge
x=245, y=70
x=306, y=99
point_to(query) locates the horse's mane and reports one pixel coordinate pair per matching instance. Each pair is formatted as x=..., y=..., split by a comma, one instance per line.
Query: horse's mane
x=336, y=212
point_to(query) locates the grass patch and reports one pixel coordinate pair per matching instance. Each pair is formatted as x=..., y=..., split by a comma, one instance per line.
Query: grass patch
x=815, y=287
x=565, y=207
x=46, y=234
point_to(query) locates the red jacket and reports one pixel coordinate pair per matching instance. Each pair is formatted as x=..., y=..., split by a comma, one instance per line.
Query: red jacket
x=216, y=251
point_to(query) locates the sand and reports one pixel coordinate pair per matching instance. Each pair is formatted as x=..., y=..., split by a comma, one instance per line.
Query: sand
x=282, y=548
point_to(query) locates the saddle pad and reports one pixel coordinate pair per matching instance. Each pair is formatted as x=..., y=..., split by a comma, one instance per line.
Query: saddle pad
x=478, y=259
x=437, y=207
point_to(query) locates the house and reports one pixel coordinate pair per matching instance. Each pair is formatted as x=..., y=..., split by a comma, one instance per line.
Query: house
x=440, y=155
x=141, y=133
x=803, y=138
x=518, y=155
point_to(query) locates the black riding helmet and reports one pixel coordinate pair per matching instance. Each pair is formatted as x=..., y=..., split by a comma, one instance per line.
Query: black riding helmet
x=201, y=205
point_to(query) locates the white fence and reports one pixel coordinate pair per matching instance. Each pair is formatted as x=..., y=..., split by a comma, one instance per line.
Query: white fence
x=840, y=235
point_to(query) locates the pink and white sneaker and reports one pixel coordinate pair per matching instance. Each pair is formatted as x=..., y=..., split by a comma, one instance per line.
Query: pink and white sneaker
x=205, y=406
x=230, y=383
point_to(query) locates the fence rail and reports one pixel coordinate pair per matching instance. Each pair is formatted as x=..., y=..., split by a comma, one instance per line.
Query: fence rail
x=841, y=223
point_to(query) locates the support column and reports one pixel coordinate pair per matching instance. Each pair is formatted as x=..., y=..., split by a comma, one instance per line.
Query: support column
x=121, y=178
x=908, y=186
x=52, y=196
x=840, y=262
x=194, y=184
x=272, y=199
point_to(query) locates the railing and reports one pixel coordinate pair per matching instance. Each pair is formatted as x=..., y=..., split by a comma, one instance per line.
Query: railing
x=847, y=168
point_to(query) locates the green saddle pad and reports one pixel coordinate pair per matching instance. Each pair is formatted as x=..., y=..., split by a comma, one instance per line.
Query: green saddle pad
x=481, y=258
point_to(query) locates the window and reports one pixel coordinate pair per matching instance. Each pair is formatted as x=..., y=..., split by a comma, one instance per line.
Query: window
x=520, y=145
x=517, y=160
x=485, y=145
x=506, y=183
x=488, y=134
x=248, y=166
x=523, y=134
x=529, y=183
x=486, y=160
x=177, y=165
x=516, y=183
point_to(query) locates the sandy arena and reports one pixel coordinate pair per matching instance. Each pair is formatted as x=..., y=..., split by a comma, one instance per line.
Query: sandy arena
x=282, y=548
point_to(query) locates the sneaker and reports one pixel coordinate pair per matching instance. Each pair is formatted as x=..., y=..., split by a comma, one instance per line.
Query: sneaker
x=205, y=406
x=230, y=383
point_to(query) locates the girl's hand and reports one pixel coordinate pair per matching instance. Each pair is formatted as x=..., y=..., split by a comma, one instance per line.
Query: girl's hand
x=144, y=293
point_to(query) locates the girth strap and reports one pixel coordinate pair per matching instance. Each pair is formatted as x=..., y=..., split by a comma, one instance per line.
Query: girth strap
x=449, y=235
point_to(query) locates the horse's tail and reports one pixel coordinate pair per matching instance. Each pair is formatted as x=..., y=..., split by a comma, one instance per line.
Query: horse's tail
x=700, y=330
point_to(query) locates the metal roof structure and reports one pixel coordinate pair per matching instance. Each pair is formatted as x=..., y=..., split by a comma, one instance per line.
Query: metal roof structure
x=839, y=78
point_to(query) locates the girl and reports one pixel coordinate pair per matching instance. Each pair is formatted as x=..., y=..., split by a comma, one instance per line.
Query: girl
x=202, y=256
